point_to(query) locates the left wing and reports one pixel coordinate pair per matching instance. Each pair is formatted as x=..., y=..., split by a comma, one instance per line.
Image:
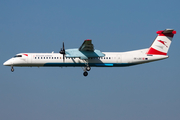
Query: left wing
x=85, y=51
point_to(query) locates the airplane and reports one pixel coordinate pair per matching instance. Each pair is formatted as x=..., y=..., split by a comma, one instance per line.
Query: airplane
x=86, y=56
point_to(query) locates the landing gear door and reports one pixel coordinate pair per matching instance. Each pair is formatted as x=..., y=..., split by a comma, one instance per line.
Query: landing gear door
x=118, y=58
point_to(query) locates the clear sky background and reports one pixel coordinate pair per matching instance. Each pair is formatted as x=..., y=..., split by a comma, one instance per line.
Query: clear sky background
x=144, y=92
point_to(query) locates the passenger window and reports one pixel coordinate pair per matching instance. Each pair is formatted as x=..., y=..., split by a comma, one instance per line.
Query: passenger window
x=35, y=57
x=46, y=57
x=38, y=57
x=49, y=57
x=54, y=57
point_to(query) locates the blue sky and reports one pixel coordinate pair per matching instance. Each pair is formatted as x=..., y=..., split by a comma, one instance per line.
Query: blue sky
x=148, y=91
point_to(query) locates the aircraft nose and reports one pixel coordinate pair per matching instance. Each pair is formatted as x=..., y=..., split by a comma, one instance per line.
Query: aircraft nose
x=7, y=63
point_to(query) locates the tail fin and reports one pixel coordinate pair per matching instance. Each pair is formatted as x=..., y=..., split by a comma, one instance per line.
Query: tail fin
x=162, y=42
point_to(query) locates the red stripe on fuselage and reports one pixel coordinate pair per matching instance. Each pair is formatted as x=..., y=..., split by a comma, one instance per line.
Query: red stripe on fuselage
x=25, y=54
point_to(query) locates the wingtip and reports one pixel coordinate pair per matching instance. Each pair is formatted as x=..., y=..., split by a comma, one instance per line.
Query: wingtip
x=87, y=40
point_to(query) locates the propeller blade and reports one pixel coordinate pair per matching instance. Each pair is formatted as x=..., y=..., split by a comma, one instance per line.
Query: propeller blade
x=63, y=47
x=63, y=52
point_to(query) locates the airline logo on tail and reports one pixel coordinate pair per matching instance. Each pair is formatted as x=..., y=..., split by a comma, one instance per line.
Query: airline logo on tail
x=163, y=42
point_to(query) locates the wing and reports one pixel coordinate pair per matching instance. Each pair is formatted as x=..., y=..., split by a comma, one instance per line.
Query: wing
x=85, y=51
x=87, y=46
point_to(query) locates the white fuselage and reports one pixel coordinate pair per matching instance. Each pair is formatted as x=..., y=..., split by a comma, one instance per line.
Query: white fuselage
x=111, y=59
x=86, y=56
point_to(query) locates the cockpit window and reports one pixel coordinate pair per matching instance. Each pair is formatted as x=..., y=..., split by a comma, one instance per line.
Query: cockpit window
x=18, y=56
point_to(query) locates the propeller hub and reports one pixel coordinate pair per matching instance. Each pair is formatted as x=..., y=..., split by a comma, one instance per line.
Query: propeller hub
x=62, y=52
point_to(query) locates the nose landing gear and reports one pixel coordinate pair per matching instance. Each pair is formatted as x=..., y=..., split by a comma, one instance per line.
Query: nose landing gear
x=12, y=69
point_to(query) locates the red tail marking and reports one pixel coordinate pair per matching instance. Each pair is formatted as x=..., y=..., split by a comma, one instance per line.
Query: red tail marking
x=163, y=42
x=153, y=51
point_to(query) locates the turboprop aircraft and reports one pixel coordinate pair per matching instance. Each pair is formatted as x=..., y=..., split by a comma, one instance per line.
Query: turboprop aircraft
x=86, y=56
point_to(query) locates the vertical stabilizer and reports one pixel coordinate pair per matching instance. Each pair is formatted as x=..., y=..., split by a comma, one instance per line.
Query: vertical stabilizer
x=162, y=42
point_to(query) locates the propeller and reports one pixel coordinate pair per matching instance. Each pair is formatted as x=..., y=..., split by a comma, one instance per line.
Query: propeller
x=63, y=52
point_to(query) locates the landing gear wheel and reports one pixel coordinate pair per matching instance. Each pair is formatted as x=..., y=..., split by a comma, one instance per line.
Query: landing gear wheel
x=88, y=68
x=12, y=69
x=85, y=73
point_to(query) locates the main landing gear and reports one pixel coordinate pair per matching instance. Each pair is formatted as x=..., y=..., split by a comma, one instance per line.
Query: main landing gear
x=85, y=69
x=12, y=69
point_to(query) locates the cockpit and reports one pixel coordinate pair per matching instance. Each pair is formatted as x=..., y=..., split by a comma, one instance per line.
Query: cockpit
x=17, y=56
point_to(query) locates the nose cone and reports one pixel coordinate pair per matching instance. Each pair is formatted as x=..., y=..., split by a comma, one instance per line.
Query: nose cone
x=7, y=63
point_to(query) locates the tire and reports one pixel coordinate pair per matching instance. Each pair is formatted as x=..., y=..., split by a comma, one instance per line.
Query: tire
x=85, y=73
x=88, y=68
x=12, y=69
